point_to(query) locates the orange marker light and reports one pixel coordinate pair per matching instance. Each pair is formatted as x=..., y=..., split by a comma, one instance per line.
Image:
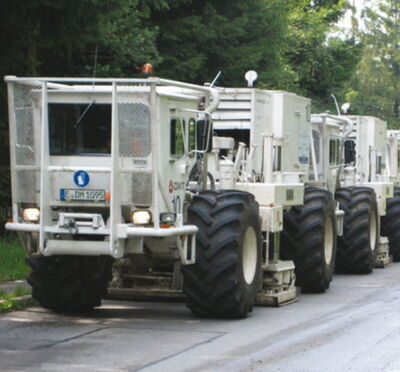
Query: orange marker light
x=147, y=69
x=107, y=196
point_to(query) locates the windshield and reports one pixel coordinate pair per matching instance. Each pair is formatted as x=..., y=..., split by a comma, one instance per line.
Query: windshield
x=80, y=128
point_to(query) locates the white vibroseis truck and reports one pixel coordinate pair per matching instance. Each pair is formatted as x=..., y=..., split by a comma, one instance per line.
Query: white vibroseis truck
x=344, y=198
x=312, y=220
x=361, y=187
x=101, y=171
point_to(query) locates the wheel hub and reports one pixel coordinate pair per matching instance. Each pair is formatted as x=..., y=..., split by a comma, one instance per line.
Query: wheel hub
x=249, y=252
x=328, y=241
x=373, y=231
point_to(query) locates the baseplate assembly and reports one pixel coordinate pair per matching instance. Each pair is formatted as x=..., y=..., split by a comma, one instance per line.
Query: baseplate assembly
x=278, y=285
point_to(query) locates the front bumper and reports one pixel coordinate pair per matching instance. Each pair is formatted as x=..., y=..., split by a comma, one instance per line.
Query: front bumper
x=124, y=231
x=95, y=247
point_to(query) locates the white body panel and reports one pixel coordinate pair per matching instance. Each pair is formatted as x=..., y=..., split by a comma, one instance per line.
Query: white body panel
x=284, y=118
x=370, y=135
x=371, y=166
x=393, y=150
x=132, y=175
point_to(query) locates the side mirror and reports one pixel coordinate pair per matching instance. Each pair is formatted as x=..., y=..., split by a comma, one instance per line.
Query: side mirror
x=204, y=135
x=349, y=152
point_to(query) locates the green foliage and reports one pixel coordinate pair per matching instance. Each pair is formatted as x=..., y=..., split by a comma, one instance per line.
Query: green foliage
x=60, y=38
x=12, y=261
x=199, y=38
x=377, y=79
x=322, y=64
x=11, y=301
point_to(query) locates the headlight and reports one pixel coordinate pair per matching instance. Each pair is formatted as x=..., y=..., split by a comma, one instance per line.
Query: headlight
x=31, y=214
x=141, y=217
x=167, y=218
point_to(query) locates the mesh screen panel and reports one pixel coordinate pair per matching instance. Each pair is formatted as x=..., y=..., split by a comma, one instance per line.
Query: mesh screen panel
x=27, y=142
x=135, y=141
x=134, y=129
x=136, y=189
x=28, y=186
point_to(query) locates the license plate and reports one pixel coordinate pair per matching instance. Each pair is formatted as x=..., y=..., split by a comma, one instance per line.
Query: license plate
x=82, y=195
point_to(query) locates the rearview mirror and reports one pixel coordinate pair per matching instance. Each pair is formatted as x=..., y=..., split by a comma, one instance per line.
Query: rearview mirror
x=204, y=135
x=349, y=152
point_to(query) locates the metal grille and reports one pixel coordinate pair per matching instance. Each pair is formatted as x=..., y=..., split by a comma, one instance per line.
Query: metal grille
x=135, y=141
x=28, y=186
x=136, y=189
x=27, y=116
x=134, y=130
x=65, y=180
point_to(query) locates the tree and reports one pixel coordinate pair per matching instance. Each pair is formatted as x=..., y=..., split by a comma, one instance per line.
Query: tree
x=374, y=89
x=322, y=63
x=199, y=38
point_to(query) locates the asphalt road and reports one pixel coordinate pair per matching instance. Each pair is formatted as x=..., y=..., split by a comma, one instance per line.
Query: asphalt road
x=355, y=326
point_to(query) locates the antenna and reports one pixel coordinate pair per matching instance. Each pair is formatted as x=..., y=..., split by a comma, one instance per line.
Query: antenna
x=95, y=62
x=216, y=79
x=336, y=104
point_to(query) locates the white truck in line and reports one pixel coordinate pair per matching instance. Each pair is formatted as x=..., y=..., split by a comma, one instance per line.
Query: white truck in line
x=122, y=180
x=103, y=170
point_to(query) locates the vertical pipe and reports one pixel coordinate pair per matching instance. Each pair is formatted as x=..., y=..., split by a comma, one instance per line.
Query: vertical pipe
x=313, y=155
x=277, y=243
x=154, y=124
x=267, y=242
x=249, y=164
x=239, y=156
x=44, y=167
x=268, y=157
x=372, y=164
x=12, y=129
x=116, y=250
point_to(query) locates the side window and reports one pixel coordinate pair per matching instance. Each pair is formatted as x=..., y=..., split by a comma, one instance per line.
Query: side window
x=398, y=160
x=332, y=151
x=177, y=133
x=338, y=157
x=349, y=152
x=192, y=134
x=379, y=164
x=277, y=150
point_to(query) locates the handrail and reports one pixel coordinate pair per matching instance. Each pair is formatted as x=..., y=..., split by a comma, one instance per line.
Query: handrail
x=150, y=81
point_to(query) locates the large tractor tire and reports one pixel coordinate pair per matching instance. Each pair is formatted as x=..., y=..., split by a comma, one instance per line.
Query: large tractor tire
x=356, y=248
x=226, y=277
x=309, y=239
x=391, y=224
x=69, y=284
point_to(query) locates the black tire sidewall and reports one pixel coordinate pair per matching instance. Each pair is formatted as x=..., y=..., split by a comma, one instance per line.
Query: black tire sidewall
x=67, y=283
x=215, y=285
x=356, y=257
x=313, y=273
